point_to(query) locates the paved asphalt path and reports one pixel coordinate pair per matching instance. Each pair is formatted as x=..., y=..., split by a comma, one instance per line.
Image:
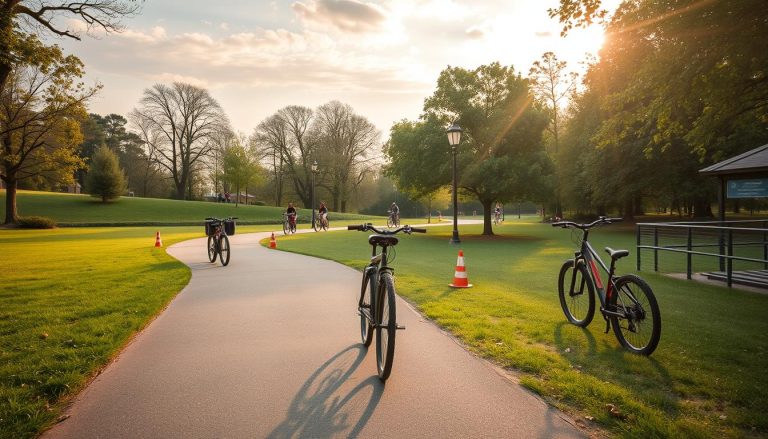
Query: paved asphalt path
x=269, y=347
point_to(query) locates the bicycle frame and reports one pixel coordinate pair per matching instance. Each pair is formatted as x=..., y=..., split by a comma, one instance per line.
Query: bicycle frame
x=375, y=269
x=592, y=260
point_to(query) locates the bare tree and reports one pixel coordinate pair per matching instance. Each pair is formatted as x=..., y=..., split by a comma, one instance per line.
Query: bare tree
x=21, y=18
x=182, y=122
x=347, y=142
x=271, y=138
x=287, y=135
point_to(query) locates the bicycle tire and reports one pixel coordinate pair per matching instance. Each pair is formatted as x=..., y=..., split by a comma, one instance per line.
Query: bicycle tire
x=316, y=224
x=325, y=225
x=224, y=250
x=635, y=298
x=292, y=227
x=573, y=302
x=364, y=300
x=212, y=250
x=386, y=325
x=286, y=227
x=390, y=222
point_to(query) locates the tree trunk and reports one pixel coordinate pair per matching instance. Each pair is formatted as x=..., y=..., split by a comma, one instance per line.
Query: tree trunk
x=702, y=208
x=487, y=226
x=10, y=201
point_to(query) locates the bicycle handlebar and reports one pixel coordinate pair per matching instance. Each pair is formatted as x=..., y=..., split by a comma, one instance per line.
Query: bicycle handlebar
x=599, y=221
x=404, y=229
x=219, y=219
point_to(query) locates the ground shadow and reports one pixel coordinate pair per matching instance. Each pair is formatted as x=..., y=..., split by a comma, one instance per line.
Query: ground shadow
x=323, y=409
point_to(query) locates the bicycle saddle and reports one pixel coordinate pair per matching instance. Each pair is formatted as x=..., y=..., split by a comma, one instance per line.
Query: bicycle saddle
x=382, y=240
x=617, y=254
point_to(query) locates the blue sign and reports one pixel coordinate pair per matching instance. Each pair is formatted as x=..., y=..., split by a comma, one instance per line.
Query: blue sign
x=753, y=188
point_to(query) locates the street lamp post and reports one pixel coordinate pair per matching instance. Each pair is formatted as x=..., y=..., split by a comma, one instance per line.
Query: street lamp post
x=314, y=171
x=454, y=137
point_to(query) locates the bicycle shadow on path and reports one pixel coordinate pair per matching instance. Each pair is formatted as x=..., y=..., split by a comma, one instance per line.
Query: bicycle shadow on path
x=326, y=406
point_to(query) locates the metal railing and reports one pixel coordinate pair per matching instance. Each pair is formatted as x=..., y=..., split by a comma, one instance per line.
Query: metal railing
x=705, y=246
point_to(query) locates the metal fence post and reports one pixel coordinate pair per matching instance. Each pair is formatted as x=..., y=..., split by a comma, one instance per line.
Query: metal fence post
x=638, y=248
x=729, y=262
x=688, y=254
x=655, y=249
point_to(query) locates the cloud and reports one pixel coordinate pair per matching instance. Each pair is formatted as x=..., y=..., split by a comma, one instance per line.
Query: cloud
x=350, y=16
x=475, y=33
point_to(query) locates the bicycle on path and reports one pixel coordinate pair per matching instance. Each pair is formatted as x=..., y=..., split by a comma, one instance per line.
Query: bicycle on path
x=376, y=302
x=320, y=223
x=627, y=302
x=289, y=223
x=218, y=243
x=393, y=219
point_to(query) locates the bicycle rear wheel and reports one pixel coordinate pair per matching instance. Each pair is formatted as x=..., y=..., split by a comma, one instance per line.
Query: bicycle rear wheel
x=577, y=301
x=325, y=225
x=292, y=227
x=386, y=326
x=364, y=300
x=224, y=250
x=212, y=250
x=640, y=330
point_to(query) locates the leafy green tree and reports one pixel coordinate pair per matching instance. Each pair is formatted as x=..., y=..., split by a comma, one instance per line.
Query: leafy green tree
x=41, y=105
x=239, y=167
x=105, y=179
x=502, y=158
x=679, y=90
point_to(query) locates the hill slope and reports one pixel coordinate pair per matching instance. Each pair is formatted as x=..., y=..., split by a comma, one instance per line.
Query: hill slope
x=76, y=210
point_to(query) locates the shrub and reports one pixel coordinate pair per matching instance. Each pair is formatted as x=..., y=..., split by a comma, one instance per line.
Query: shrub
x=105, y=179
x=36, y=222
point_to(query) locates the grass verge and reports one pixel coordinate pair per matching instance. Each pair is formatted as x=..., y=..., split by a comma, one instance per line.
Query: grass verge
x=706, y=379
x=69, y=300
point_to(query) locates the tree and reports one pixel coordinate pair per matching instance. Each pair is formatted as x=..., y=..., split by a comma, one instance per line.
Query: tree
x=271, y=136
x=503, y=158
x=21, y=20
x=179, y=123
x=666, y=82
x=239, y=167
x=551, y=83
x=345, y=145
x=105, y=178
x=41, y=106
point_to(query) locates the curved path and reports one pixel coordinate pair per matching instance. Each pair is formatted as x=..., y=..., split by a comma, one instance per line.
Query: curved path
x=269, y=347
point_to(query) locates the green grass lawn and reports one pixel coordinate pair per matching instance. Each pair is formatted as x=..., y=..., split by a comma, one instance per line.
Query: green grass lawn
x=706, y=379
x=70, y=298
x=71, y=209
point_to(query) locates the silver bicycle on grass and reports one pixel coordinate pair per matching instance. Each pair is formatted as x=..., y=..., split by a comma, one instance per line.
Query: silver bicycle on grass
x=376, y=301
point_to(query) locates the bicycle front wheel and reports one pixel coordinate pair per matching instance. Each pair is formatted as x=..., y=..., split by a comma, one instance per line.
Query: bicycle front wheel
x=292, y=227
x=316, y=224
x=224, y=250
x=640, y=329
x=390, y=222
x=577, y=294
x=386, y=325
x=364, y=300
x=212, y=251
x=286, y=227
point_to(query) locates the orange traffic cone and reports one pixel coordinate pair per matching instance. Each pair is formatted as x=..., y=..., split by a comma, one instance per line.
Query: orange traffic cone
x=273, y=241
x=158, y=241
x=460, y=279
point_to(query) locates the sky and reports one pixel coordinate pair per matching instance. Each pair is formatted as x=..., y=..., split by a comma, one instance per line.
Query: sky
x=381, y=57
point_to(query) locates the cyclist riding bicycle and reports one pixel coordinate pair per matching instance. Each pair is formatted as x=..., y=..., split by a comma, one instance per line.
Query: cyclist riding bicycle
x=323, y=212
x=291, y=212
x=394, y=211
x=497, y=213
